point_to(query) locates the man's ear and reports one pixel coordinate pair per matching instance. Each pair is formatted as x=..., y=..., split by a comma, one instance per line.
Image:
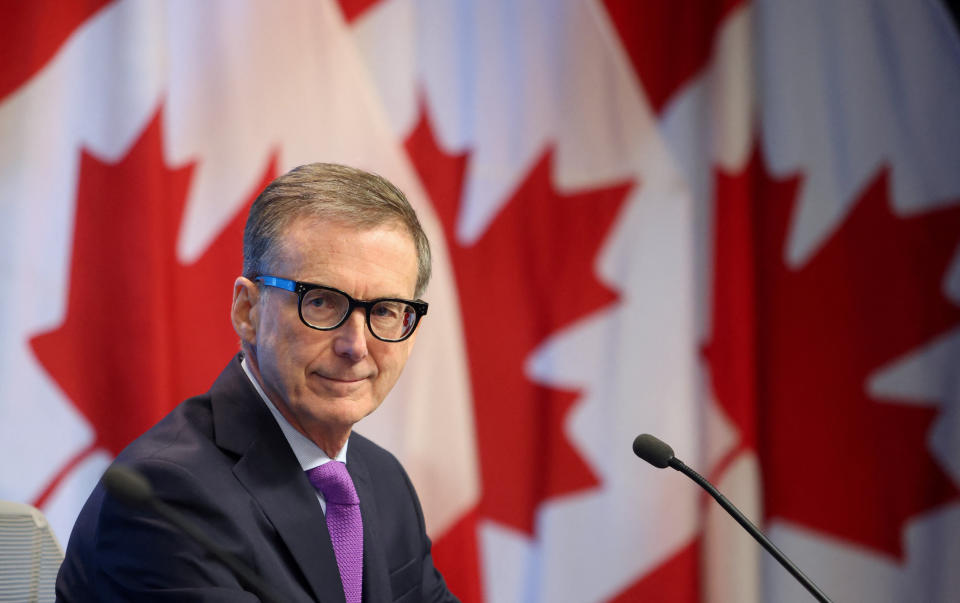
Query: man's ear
x=245, y=311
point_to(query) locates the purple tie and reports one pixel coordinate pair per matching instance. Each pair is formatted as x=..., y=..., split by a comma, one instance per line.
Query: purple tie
x=343, y=522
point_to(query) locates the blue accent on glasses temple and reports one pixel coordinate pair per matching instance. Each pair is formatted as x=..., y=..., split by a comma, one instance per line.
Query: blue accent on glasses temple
x=279, y=283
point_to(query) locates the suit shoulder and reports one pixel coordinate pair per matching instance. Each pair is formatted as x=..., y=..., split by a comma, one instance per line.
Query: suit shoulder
x=188, y=425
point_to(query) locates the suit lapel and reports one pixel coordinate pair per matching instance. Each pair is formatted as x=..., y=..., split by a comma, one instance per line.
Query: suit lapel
x=376, y=574
x=269, y=470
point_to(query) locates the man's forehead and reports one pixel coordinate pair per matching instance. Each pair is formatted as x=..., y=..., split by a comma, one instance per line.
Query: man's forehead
x=309, y=239
x=309, y=228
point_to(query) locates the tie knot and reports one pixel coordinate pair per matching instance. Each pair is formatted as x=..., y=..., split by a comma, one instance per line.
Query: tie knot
x=334, y=482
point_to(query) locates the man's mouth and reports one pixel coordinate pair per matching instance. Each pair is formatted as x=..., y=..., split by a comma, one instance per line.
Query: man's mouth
x=341, y=378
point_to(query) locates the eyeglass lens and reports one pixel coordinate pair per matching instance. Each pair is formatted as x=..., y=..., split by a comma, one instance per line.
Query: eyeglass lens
x=388, y=319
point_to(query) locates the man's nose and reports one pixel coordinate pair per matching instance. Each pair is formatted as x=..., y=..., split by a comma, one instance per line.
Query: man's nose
x=351, y=337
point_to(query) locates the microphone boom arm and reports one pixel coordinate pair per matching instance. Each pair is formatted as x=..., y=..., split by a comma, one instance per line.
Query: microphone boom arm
x=659, y=454
x=752, y=529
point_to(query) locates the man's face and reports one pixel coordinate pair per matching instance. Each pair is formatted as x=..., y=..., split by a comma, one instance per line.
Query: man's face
x=325, y=381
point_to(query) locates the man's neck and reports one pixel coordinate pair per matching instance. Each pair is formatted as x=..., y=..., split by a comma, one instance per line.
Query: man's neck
x=332, y=442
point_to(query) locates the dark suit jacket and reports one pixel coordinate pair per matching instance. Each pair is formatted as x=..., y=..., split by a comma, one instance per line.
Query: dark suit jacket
x=222, y=460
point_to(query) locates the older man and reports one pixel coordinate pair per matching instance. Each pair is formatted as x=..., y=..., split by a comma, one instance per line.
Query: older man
x=266, y=462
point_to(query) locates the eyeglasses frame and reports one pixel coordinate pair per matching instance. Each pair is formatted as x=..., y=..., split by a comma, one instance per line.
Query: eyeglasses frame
x=301, y=288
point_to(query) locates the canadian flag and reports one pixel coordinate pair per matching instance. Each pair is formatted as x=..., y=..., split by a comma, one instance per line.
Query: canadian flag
x=733, y=225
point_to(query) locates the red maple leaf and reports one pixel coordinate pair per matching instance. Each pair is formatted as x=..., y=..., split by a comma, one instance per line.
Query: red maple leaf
x=529, y=275
x=792, y=350
x=32, y=33
x=668, y=43
x=354, y=9
x=142, y=331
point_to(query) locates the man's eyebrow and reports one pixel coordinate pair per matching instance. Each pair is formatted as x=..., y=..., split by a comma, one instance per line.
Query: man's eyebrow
x=403, y=297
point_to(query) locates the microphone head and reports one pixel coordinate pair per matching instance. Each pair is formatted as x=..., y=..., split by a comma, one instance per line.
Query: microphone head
x=128, y=485
x=653, y=450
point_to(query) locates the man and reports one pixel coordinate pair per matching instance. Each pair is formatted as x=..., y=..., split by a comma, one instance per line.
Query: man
x=326, y=312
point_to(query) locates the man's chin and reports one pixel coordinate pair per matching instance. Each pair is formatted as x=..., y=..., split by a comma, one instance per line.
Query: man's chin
x=339, y=413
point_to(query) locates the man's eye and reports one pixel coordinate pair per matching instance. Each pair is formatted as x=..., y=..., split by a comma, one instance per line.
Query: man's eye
x=317, y=300
x=385, y=310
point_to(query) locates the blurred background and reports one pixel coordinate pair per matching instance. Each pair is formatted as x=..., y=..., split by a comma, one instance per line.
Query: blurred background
x=730, y=224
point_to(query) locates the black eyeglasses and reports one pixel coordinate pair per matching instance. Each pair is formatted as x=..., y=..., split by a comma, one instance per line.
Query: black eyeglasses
x=325, y=308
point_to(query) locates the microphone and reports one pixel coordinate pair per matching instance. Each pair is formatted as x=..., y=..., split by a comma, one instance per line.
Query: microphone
x=132, y=488
x=659, y=454
x=653, y=450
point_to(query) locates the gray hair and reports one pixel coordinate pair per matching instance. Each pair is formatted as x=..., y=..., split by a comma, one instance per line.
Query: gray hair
x=330, y=192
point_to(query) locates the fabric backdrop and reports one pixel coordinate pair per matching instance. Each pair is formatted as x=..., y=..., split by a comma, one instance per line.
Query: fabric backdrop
x=731, y=224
